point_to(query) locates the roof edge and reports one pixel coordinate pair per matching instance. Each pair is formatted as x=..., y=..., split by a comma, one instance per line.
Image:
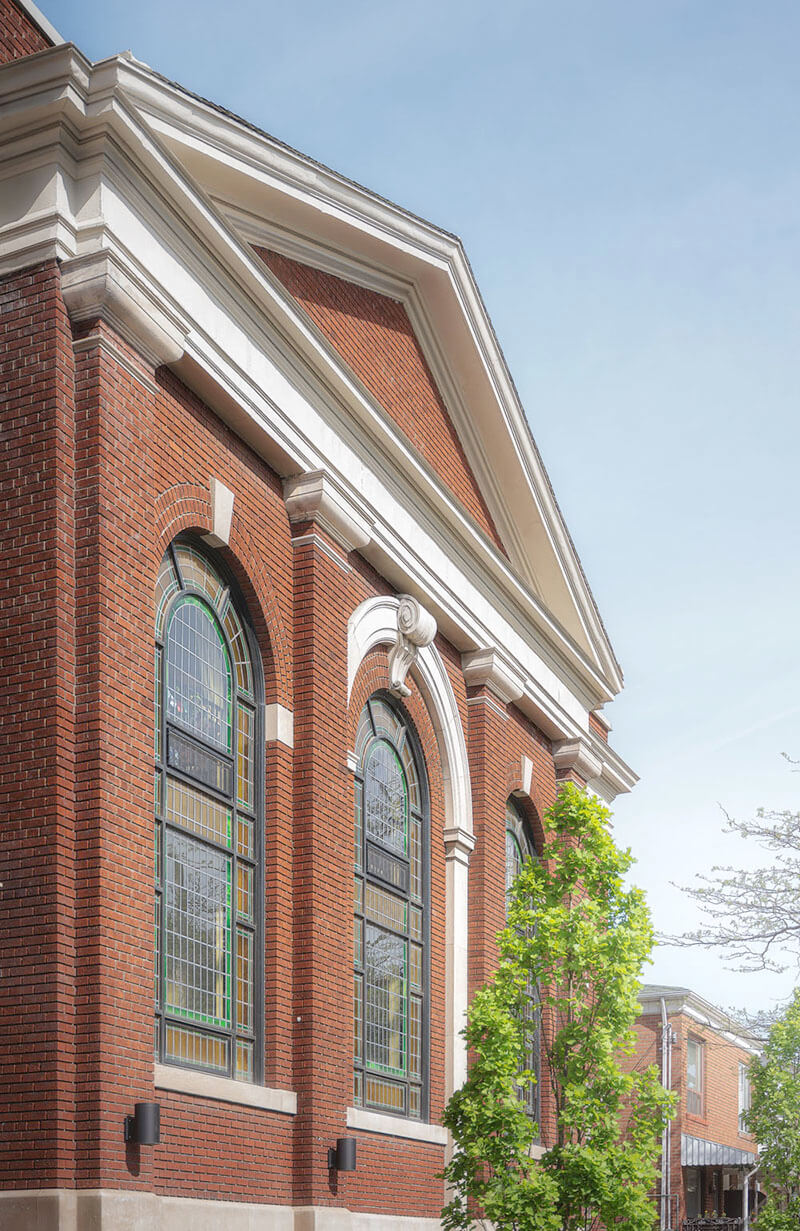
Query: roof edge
x=39, y=20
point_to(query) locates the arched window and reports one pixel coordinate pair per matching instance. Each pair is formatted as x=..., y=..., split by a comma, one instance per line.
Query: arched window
x=391, y=914
x=209, y=810
x=519, y=848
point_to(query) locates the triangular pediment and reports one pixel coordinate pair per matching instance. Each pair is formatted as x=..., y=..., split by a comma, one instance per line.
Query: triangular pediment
x=268, y=196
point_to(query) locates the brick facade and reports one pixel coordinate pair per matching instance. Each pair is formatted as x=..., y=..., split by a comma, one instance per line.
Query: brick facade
x=19, y=35
x=715, y=1167
x=112, y=450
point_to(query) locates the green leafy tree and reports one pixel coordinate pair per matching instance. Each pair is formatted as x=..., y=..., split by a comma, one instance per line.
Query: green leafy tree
x=774, y=1118
x=577, y=933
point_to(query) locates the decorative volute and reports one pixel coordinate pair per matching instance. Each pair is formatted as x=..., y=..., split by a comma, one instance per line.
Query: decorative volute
x=416, y=628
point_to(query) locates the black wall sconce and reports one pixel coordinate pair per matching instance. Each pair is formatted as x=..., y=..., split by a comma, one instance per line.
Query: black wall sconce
x=144, y=1126
x=342, y=1156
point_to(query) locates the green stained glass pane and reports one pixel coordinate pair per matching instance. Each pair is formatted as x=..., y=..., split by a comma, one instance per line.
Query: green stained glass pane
x=197, y=930
x=198, y=674
x=358, y=895
x=358, y=1089
x=385, y=798
x=385, y=974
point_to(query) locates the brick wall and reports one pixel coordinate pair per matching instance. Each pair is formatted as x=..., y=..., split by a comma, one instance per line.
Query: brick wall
x=37, y=659
x=719, y=1121
x=373, y=334
x=109, y=461
x=19, y=36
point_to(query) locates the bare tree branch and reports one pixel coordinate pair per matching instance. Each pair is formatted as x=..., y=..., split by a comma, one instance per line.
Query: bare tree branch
x=753, y=913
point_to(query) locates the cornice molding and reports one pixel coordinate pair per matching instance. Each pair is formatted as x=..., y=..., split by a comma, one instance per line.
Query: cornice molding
x=96, y=285
x=576, y=756
x=316, y=498
x=486, y=668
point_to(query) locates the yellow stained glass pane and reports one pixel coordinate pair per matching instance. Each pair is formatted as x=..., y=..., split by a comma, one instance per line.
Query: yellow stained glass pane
x=198, y=813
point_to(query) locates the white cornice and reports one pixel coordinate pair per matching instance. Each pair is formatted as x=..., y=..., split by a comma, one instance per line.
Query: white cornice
x=316, y=497
x=681, y=1000
x=485, y=667
x=577, y=756
x=96, y=285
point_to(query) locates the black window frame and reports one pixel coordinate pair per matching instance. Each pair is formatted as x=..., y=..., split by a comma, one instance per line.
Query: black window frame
x=363, y=874
x=230, y=596
x=518, y=828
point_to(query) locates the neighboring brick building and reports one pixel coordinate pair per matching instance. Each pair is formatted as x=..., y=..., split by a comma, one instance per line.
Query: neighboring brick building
x=704, y=1057
x=266, y=477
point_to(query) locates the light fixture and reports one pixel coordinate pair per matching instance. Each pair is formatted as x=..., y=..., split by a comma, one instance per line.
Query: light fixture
x=144, y=1126
x=342, y=1156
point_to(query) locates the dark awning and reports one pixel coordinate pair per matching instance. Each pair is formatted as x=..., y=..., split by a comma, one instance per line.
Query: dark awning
x=697, y=1152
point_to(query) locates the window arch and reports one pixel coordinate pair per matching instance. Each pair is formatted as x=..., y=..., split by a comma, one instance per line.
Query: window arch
x=519, y=848
x=208, y=820
x=391, y=928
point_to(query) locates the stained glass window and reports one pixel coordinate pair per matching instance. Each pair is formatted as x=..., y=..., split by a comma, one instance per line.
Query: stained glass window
x=208, y=807
x=390, y=937
x=519, y=848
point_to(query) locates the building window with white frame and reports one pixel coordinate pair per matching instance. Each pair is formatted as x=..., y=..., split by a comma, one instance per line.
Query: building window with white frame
x=744, y=1096
x=695, y=1065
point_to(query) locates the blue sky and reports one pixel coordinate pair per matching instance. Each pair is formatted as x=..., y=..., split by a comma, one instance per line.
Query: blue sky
x=625, y=178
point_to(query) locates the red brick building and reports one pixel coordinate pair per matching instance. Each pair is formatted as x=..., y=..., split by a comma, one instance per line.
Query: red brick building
x=296, y=650
x=704, y=1057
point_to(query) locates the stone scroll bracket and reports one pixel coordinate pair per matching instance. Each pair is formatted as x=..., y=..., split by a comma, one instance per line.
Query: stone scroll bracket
x=416, y=628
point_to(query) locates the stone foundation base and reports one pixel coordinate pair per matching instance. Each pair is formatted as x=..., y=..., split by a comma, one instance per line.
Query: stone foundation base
x=114, y=1210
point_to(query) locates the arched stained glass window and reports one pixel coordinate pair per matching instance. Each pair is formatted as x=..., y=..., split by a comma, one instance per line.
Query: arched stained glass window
x=519, y=848
x=208, y=811
x=391, y=915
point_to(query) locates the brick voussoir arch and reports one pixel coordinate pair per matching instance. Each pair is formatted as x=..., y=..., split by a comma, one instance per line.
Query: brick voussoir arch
x=186, y=507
